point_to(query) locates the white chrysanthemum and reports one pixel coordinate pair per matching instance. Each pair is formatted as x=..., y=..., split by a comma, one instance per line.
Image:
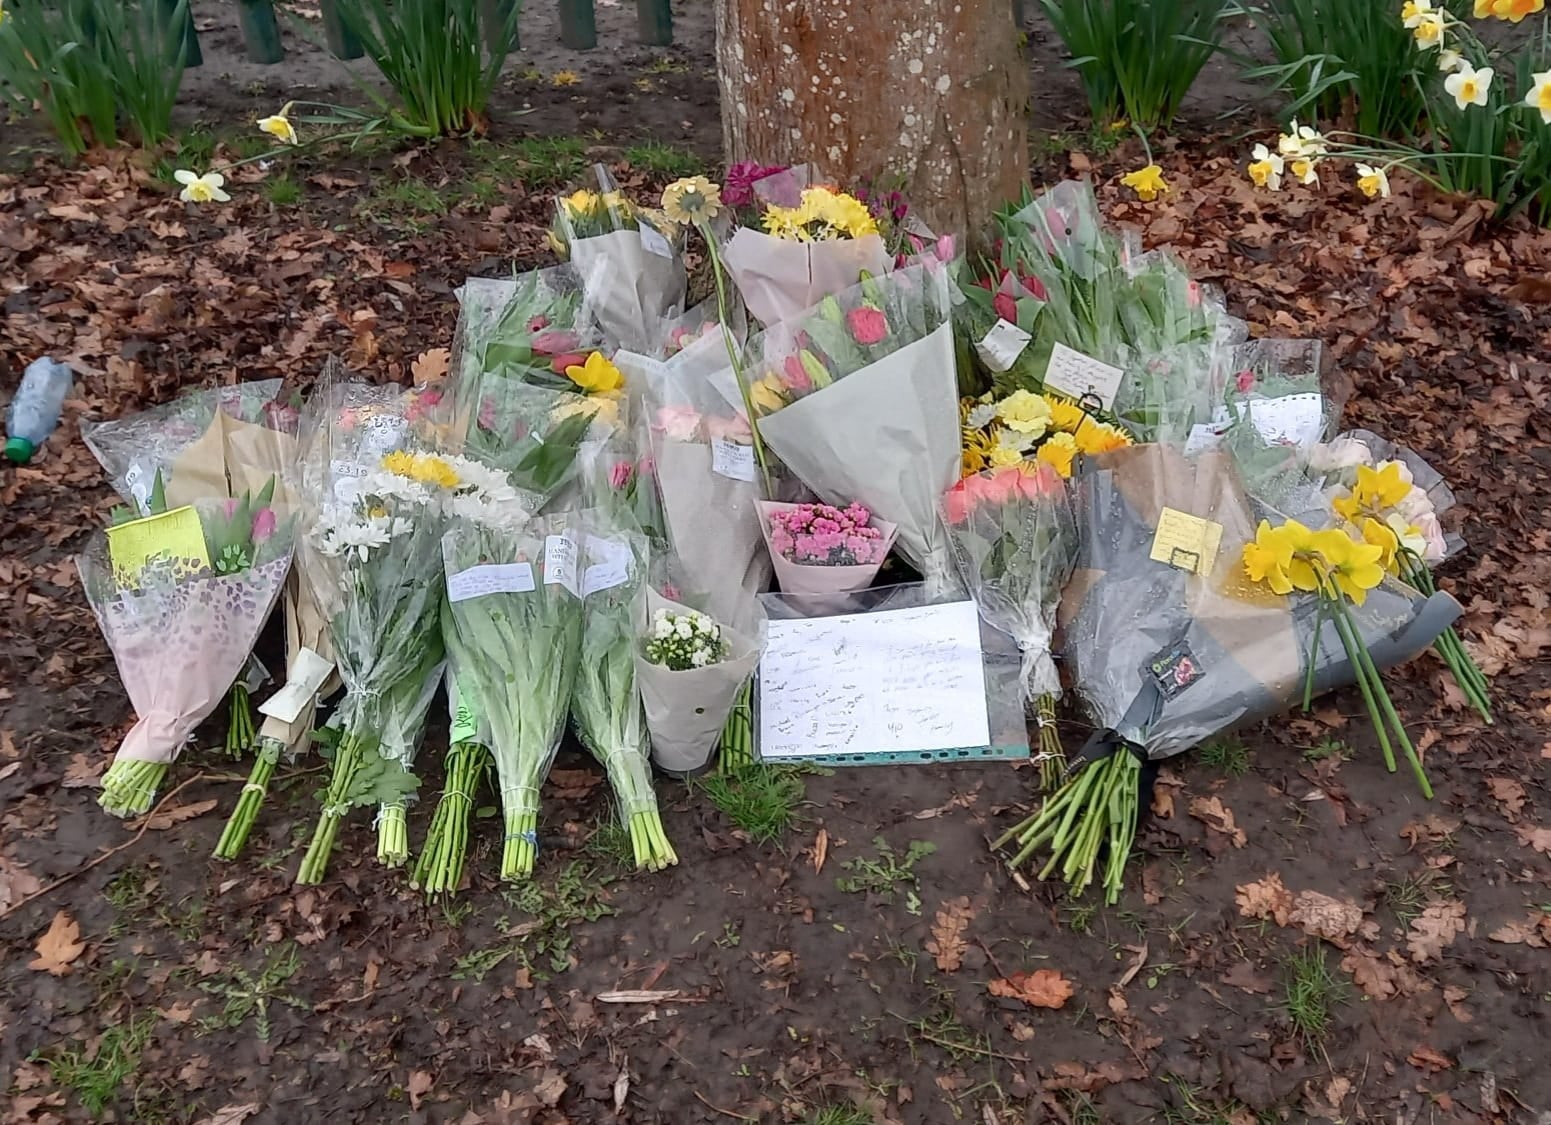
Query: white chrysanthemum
x=982, y=415
x=384, y=485
x=356, y=540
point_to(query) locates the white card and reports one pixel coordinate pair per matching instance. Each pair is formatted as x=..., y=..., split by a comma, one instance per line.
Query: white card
x=347, y=480
x=491, y=578
x=654, y=243
x=895, y=681
x=1205, y=437
x=1001, y=347
x=306, y=675
x=560, y=562
x=732, y=459
x=608, y=564
x=1080, y=376
x=1290, y=420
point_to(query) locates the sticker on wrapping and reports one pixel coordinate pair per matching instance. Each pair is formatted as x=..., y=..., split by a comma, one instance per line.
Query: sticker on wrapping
x=608, y=564
x=560, y=563
x=380, y=433
x=1205, y=437
x=139, y=482
x=347, y=477
x=303, y=679
x=176, y=535
x=491, y=578
x=1082, y=378
x=654, y=243
x=732, y=459
x=1186, y=542
x=1174, y=669
x=465, y=723
x=1001, y=347
x=1297, y=420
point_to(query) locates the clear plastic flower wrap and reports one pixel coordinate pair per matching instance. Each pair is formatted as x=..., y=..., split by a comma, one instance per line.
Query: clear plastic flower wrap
x=513, y=621
x=528, y=328
x=629, y=259
x=374, y=503
x=180, y=597
x=858, y=397
x=1170, y=643
x=1014, y=542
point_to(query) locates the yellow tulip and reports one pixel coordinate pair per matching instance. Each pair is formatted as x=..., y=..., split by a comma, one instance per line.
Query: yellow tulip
x=597, y=376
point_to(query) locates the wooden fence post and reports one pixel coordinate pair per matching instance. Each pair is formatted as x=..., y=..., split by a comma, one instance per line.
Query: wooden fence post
x=578, y=25
x=654, y=19
x=260, y=33
x=342, y=42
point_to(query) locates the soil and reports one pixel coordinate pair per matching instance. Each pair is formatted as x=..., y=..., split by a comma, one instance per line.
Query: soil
x=220, y=993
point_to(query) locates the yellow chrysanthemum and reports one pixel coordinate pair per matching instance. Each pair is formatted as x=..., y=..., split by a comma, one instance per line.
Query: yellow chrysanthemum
x=597, y=376
x=1065, y=415
x=1025, y=412
x=1004, y=455
x=1100, y=437
x=1058, y=451
x=977, y=451
x=422, y=467
x=843, y=212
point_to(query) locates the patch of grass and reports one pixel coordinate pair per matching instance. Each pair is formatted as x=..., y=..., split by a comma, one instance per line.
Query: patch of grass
x=761, y=800
x=1081, y=1110
x=1407, y=896
x=664, y=160
x=405, y=202
x=195, y=148
x=1098, y=140
x=1079, y=916
x=186, y=919
x=96, y=1075
x=839, y=1115
x=538, y=162
x=542, y=942
x=247, y=996
x=883, y=875
x=1309, y=992
x=610, y=842
x=282, y=191
x=662, y=64
x=943, y=1028
x=248, y=144
x=130, y=893
x=1228, y=755
x=1196, y=1106
x=1327, y=748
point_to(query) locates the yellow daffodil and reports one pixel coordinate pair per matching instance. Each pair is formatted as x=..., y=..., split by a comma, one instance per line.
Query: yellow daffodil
x=1407, y=534
x=1025, y=412
x=1372, y=182
x=1268, y=557
x=1065, y=415
x=603, y=408
x=581, y=202
x=1304, y=170
x=617, y=203
x=279, y=125
x=1412, y=12
x=1146, y=182
x=1375, y=491
x=692, y=200
x=201, y=189
x=1266, y=168
x=1428, y=30
x=597, y=376
x=1351, y=566
x=1469, y=86
x=1058, y=451
x=1539, y=96
x=1382, y=536
x=1301, y=141
x=1301, y=542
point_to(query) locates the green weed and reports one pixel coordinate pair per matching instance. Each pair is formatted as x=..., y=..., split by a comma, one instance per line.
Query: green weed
x=761, y=800
x=282, y=191
x=95, y=1076
x=542, y=942
x=664, y=160
x=1309, y=991
x=537, y=162
x=839, y=1115
x=246, y=996
x=1228, y=755
x=1327, y=748
x=883, y=875
x=1408, y=896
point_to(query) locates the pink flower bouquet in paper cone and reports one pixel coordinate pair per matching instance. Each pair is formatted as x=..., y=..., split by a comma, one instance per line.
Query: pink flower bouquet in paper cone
x=824, y=549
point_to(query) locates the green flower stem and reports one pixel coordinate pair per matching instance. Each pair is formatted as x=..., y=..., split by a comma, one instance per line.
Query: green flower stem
x=129, y=787
x=1308, y=676
x=1467, y=674
x=348, y=759
x=1386, y=705
x=1352, y=644
x=1052, y=755
x=737, y=364
x=239, y=727
x=240, y=823
x=392, y=835
x=737, y=741
x=439, y=869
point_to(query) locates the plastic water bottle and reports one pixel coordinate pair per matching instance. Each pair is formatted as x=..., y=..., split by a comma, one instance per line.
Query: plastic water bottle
x=35, y=410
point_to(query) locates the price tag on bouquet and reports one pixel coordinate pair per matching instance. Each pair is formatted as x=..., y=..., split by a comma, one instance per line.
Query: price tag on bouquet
x=465, y=723
x=733, y=459
x=490, y=578
x=347, y=480
x=1080, y=377
x=1205, y=437
x=1001, y=347
x=560, y=563
x=176, y=534
x=1186, y=542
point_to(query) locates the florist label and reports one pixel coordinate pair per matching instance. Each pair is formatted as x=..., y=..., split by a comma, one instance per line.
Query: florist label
x=732, y=459
x=1205, y=437
x=608, y=564
x=175, y=534
x=491, y=578
x=1080, y=376
x=560, y=557
x=306, y=675
x=465, y=723
x=1001, y=347
x=1186, y=542
x=654, y=243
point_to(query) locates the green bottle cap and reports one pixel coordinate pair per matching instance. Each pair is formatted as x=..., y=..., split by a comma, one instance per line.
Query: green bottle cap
x=19, y=449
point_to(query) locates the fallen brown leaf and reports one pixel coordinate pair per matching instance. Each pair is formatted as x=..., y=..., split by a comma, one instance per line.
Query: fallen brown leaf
x=418, y=1086
x=1507, y=793
x=1434, y=930
x=59, y=945
x=16, y=883
x=1217, y=816
x=1534, y=930
x=1430, y=829
x=231, y=1114
x=1243, y=976
x=1319, y=915
x=1454, y=997
x=948, y=945
x=1267, y=898
x=430, y=366
x=1537, y=838
x=1380, y=978
x=1043, y=988
x=84, y=771
x=1426, y=1059
x=166, y=818
x=820, y=849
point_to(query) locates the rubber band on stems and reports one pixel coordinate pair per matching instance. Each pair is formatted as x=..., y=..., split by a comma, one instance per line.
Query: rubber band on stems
x=439, y=867
x=520, y=840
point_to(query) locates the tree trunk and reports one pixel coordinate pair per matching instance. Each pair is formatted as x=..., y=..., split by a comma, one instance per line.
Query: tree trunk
x=929, y=92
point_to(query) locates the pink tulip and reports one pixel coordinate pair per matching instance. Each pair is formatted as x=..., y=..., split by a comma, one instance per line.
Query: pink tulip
x=621, y=474
x=555, y=341
x=263, y=524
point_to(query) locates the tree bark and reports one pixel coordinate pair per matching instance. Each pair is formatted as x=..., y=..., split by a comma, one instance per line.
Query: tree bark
x=928, y=92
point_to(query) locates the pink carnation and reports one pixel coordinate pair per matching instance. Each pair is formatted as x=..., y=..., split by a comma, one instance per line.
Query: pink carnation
x=678, y=423
x=1245, y=381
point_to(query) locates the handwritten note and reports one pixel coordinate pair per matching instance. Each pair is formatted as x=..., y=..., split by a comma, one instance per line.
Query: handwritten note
x=1082, y=377
x=1186, y=541
x=895, y=681
x=1289, y=420
x=608, y=564
x=176, y=534
x=1001, y=347
x=490, y=578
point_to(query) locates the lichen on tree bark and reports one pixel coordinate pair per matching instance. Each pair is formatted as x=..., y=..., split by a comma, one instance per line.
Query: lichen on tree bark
x=929, y=92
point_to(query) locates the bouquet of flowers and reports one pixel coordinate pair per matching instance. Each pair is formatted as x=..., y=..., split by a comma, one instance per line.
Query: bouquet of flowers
x=1390, y=498
x=1014, y=541
x=859, y=399
x=376, y=503
x=822, y=548
x=998, y=312
x=180, y=597
x=690, y=668
x=528, y=328
x=1171, y=640
x=439, y=867
x=812, y=242
x=1025, y=427
x=629, y=259
x=513, y=622
x=605, y=701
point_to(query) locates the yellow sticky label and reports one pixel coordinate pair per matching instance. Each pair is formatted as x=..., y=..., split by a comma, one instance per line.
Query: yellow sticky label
x=1186, y=541
x=173, y=534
